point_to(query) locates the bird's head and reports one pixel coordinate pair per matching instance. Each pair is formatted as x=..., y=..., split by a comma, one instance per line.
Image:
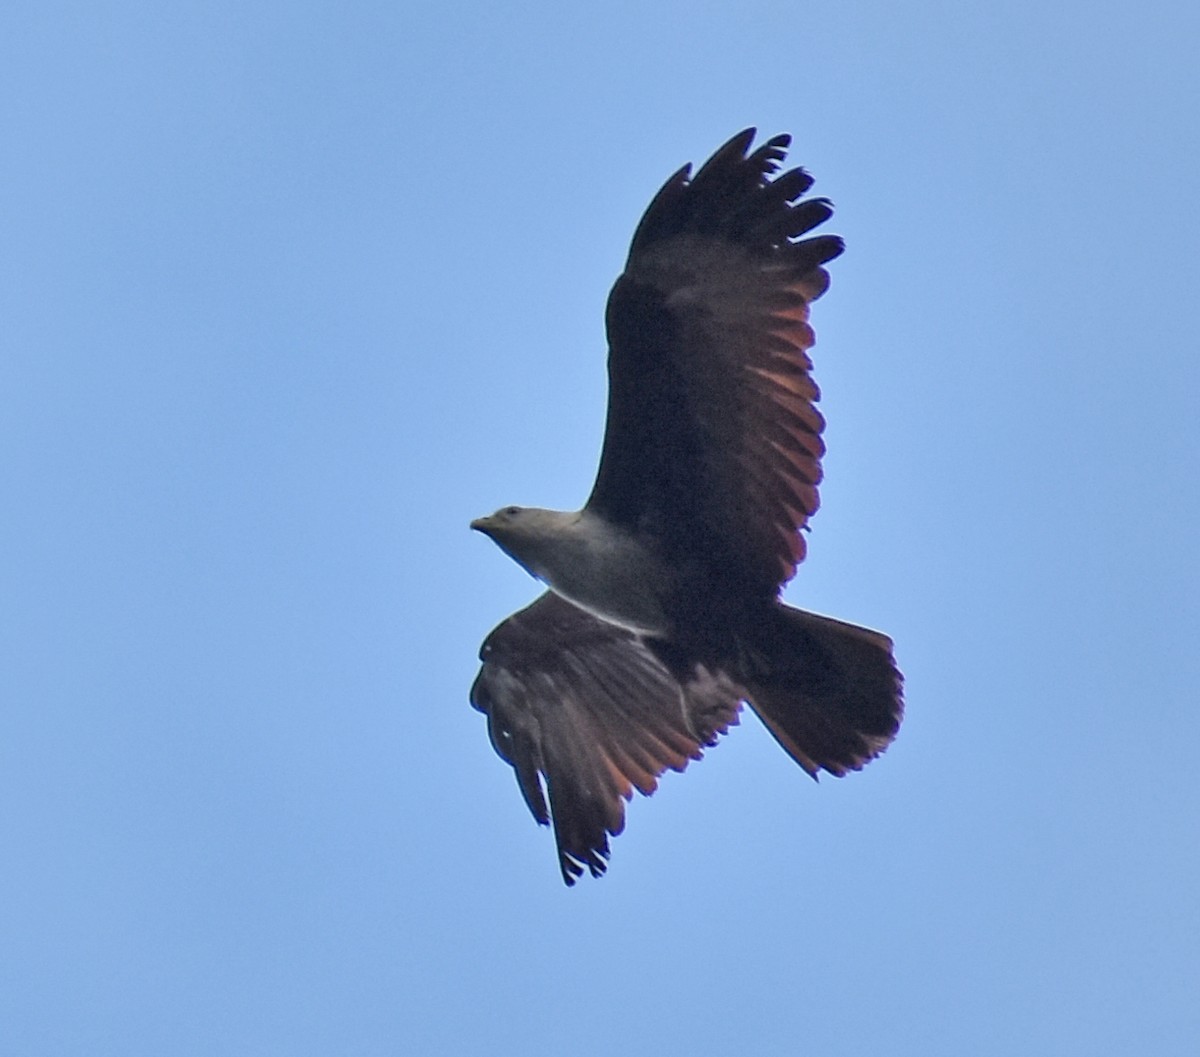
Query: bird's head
x=526, y=534
x=503, y=523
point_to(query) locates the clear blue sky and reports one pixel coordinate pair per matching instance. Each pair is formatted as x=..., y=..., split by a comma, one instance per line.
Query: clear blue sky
x=290, y=292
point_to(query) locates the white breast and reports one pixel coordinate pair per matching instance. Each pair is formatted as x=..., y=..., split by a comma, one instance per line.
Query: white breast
x=608, y=573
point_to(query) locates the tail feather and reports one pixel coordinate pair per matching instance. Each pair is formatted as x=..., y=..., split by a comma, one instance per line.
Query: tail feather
x=828, y=691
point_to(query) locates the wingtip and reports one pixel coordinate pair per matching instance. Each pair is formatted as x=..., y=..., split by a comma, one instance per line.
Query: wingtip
x=743, y=139
x=732, y=152
x=771, y=154
x=572, y=868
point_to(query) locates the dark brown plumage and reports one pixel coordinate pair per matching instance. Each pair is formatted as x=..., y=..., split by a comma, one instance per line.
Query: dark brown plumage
x=663, y=611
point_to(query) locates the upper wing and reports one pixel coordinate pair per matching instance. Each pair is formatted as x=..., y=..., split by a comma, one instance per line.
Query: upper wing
x=586, y=713
x=713, y=442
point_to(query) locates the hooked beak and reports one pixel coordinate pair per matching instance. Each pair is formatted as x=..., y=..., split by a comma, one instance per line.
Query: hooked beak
x=482, y=524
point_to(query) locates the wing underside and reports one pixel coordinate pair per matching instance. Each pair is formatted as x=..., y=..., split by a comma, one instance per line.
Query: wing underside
x=585, y=713
x=713, y=440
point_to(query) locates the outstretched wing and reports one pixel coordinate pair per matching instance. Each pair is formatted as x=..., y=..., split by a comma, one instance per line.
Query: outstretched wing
x=585, y=713
x=713, y=442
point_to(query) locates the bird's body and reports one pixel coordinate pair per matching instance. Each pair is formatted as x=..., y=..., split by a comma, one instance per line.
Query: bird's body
x=663, y=611
x=596, y=565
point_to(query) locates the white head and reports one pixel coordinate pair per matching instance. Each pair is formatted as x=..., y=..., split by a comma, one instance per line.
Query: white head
x=528, y=534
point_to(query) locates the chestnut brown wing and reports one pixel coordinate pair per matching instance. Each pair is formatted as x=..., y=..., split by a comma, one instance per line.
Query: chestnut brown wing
x=585, y=713
x=713, y=440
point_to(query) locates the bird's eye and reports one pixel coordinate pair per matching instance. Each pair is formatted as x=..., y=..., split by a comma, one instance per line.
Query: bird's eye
x=511, y=511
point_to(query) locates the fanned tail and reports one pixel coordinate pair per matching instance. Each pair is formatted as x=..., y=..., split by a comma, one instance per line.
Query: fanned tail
x=828, y=691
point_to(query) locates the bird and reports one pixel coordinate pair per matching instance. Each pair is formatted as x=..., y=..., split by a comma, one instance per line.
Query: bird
x=662, y=613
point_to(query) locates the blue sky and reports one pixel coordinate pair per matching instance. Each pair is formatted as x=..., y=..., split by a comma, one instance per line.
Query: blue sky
x=290, y=292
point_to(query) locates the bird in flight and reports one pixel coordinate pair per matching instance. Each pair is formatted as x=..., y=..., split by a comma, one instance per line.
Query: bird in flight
x=662, y=614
